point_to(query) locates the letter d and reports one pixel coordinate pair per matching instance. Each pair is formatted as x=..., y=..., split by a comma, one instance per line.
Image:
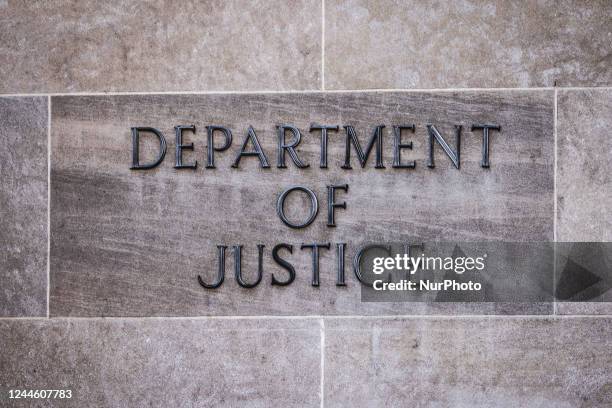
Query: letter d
x=136, y=148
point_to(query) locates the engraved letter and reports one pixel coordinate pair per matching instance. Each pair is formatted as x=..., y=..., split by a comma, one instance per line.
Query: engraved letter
x=314, y=207
x=453, y=155
x=332, y=205
x=398, y=146
x=283, y=146
x=210, y=130
x=340, y=247
x=238, y=266
x=324, y=129
x=180, y=146
x=258, y=151
x=284, y=264
x=351, y=138
x=485, y=141
x=220, y=273
x=315, y=260
x=136, y=148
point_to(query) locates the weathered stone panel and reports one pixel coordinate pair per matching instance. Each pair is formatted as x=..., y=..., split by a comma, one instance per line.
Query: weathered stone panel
x=132, y=242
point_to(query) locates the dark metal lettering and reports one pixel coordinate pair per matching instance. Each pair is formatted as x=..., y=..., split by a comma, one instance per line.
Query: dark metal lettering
x=211, y=149
x=283, y=263
x=238, y=266
x=220, y=272
x=398, y=146
x=332, y=205
x=324, y=129
x=315, y=260
x=258, y=150
x=314, y=206
x=283, y=146
x=136, y=148
x=351, y=138
x=435, y=135
x=359, y=255
x=485, y=141
x=340, y=247
x=178, y=130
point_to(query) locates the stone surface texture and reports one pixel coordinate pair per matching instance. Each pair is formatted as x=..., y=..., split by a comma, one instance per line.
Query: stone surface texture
x=23, y=206
x=131, y=243
x=164, y=362
x=128, y=323
x=468, y=362
x=584, y=166
x=88, y=46
x=472, y=43
x=584, y=181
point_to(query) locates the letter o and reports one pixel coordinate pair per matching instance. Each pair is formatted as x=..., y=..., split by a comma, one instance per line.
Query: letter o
x=314, y=207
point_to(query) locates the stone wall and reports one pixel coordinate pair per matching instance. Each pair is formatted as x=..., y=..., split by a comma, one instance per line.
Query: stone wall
x=99, y=263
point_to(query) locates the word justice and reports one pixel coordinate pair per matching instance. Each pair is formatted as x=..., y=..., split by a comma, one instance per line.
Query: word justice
x=289, y=276
x=288, y=146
